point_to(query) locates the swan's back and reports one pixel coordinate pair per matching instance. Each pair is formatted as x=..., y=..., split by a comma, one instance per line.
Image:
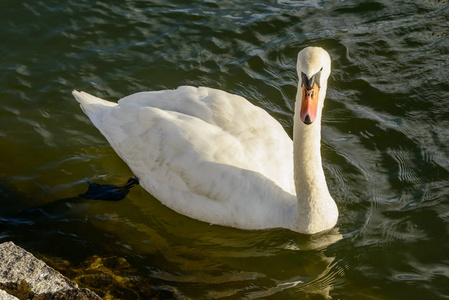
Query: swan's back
x=200, y=151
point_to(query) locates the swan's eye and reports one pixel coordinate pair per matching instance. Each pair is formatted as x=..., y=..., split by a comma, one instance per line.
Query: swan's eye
x=305, y=80
x=316, y=77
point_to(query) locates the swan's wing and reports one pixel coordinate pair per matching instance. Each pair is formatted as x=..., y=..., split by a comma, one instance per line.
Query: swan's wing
x=204, y=153
x=229, y=129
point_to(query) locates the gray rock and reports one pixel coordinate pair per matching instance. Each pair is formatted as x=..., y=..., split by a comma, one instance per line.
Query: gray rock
x=5, y=296
x=26, y=277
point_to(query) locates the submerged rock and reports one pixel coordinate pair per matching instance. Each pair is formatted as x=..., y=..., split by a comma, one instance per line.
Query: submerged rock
x=24, y=276
x=113, y=278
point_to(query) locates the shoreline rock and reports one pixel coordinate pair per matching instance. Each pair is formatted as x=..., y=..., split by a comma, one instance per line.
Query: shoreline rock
x=23, y=276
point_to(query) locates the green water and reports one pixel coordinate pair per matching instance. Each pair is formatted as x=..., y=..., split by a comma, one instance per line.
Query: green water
x=385, y=136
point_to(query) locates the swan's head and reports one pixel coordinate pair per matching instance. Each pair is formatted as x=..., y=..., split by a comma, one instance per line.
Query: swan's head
x=314, y=67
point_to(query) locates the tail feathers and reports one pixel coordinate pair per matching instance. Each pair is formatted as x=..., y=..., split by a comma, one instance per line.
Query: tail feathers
x=93, y=107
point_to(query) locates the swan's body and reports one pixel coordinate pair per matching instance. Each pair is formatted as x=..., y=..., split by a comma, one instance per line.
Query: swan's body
x=215, y=157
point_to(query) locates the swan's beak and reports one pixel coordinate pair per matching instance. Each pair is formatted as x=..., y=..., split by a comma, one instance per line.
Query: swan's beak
x=309, y=104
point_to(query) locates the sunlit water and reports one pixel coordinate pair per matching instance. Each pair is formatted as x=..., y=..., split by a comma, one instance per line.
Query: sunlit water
x=385, y=137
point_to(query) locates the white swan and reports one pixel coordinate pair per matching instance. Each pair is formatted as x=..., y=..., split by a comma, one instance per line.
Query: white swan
x=215, y=157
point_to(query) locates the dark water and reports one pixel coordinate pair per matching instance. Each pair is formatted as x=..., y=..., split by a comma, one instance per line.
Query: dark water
x=385, y=137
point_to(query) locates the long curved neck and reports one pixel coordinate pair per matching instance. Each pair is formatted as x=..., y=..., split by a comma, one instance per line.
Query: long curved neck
x=317, y=210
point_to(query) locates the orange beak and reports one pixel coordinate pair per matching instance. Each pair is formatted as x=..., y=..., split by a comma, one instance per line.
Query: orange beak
x=309, y=104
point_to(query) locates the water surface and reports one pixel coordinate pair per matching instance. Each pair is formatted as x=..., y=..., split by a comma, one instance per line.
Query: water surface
x=385, y=136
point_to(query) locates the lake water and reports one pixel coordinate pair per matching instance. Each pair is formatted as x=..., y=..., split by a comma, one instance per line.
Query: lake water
x=385, y=140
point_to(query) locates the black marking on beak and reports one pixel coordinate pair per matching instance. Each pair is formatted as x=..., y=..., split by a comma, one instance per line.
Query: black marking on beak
x=308, y=82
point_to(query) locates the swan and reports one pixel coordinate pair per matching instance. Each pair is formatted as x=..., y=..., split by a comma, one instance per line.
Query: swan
x=215, y=157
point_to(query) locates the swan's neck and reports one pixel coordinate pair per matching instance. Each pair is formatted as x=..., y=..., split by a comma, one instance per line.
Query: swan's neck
x=317, y=210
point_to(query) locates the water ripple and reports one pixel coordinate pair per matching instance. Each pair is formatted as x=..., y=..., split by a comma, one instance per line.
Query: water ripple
x=384, y=138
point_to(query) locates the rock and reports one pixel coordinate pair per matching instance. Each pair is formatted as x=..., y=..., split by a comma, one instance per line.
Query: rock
x=26, y=277
x=5, y=296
